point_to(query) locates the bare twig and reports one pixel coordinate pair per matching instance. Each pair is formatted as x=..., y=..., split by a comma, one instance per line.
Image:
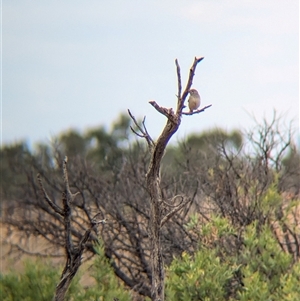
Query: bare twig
x=73, y=253
x=69, y=195
x=173, y=199
x=179, y=84
x=146, y=131
x=143, y=130
x=56, y=208
x=167, y=112
x=188, y=85
x=153, y=179
x=191, y=74
x=196, y=112
x=173, y=212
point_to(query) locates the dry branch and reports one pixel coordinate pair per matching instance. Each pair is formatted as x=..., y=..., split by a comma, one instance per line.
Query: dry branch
x=143, y=130
x=171, y=213
x=73, y=253
x=47, y=198
x=157, y=218
x=197, y=111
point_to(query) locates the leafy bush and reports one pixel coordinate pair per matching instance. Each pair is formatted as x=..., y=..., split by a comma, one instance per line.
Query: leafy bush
x=201, y=277
x=37, y=282
x=107, y=284
x=260, y=271
x=39, y=279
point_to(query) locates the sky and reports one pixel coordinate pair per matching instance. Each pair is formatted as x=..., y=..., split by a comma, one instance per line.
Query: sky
x=80, y=64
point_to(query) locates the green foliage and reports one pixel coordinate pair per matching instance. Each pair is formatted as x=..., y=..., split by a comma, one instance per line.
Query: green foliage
x=271, y=200
x=201, y=149
x=217, y=227
x=193, y=222
x=11, y=157
x=265, y=266
x=263, y=254
x=289, y=283
x=121, y=128
x=202, y=277
x=258, y=288
x=73, y=143
x=234, y=262
x=37, y=282
x=39, y=279
x=215, y=137
x=260, y=271
x=107, y=285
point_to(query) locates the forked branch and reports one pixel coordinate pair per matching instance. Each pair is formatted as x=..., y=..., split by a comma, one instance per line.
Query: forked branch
x=73, y=253
x=157, y=216
x=55, y=208
x=182, y=98
x=143, y=130
x=171, y=213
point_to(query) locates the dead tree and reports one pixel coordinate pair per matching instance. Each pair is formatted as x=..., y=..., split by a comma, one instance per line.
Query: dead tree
x=158, y=206
x=73, y=253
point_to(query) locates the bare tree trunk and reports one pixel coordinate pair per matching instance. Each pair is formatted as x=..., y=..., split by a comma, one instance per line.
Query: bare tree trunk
x=72, y=265
x=157, y=203
x=73, y=253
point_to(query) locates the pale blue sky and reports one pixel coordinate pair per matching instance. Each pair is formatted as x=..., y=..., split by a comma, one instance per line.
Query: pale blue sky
x=79, y=64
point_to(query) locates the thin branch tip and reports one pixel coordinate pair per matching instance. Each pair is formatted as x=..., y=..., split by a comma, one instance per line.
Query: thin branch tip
x=199, y=58
x=197, y=111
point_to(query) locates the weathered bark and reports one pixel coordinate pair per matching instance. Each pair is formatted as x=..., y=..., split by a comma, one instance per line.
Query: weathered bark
x=73, y=253
x=157, y=203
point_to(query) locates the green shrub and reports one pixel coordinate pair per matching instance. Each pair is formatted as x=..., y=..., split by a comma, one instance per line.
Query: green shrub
x=107, y=284
x=259, y=271
x=37, y=282
x=40, y=277
x=199, y=277
x=269, y=273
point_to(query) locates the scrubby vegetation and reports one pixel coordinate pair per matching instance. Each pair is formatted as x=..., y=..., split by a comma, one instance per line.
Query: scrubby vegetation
x=238, y=238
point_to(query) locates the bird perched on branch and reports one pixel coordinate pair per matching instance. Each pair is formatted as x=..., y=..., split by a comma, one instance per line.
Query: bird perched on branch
x=194, y=100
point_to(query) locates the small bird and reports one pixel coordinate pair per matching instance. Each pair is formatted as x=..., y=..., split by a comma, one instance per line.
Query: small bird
x=194, y=100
